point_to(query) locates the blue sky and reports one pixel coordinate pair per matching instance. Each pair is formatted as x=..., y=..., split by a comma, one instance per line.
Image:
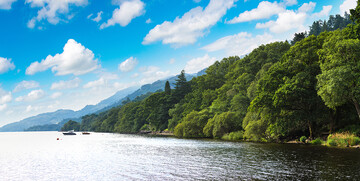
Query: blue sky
x=67, y=54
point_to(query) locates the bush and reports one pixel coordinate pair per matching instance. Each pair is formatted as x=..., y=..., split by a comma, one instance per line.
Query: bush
x=233, y=136
x=343, y=139
x=317, y=141
x=221, y=124
x=192, y=125
x=303, y=139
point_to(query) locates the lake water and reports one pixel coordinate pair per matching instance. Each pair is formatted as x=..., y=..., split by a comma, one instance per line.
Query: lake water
x=103, y=156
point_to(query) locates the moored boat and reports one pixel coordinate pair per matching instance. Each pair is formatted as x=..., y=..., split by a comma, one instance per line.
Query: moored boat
x=71, y=132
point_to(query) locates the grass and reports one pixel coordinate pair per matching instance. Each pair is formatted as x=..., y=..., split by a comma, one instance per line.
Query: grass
x=344, y=139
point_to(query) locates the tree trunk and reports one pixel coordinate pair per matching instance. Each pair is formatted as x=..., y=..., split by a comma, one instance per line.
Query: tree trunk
x=310, y=130
x=356, y=104
x=332, y=120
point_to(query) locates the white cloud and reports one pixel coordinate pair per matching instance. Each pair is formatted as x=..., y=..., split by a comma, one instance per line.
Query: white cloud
x=98, y=17
x=5, y=96
x=148, y=21
x=89, y=16
x=290, y=2
x=197, y=1
x=151, y=74
x=324, y=12
x=95, y=83
x=102, y=81
x=56, y=95
x=6, y=65
x=239, y=44
x=307, y=7
x=32, y=96
x=52, y=10
x=30, y=108
x=286, y=21
x=23, y=85
x=264, y=10
x=347, y=5
x=6, y=4
x=127, y=11
x=191, y=26
x=75, y=59
x=128, y=65
x=74, y=83
x=3, y=107
x=197, y=64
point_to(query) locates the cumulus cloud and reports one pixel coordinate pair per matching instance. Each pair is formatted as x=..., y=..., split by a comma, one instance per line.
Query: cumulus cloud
x=128, y=10
x=324, y=12
x=32, y=96
x=151, y=74
x=148, y=21
x=6, y=65
x=24, y=85
x=286, y=21
x=70, y=84
x=197, y=64
x=307, y=7
x=192, y=25
x=56, y=95
x=264, y=10
x=128, y=65
x=290, y=19
x=239, y=44
x=6, y=4
x=75, y=59
x=347, y=5
x=52, y=10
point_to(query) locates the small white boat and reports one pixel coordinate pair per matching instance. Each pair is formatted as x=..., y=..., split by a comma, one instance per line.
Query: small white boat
x=70, y=132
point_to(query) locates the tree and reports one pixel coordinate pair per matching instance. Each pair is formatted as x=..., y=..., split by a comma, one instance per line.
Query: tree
x=182, y=87
x=339, y=81
x=71, y=125
x=298, y=37
x=167, y=88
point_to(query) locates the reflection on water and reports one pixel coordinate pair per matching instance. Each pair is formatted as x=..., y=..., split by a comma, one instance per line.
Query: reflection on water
x=40, y=156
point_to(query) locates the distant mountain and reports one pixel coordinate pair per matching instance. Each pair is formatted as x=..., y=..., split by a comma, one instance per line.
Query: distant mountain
x=42, y=121
x=45, y=118
x=60, y=115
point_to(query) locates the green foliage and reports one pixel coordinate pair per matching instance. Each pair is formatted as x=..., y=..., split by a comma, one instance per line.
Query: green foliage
x=344, y=139
x=167, y=88
x=233, y=136
x=339, y=81
x=276, y=92
x=221, y=124
x=316, y=141
x=302, y=139
x=192, y=125
x=71, y=125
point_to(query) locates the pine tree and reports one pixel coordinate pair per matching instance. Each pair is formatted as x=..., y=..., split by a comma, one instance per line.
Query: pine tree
x=167, y=88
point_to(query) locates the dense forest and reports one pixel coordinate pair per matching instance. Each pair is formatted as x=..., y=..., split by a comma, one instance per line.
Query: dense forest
x=280, y=91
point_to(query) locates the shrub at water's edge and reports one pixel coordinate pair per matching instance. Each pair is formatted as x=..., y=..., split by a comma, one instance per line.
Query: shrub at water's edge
x=343, y=140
